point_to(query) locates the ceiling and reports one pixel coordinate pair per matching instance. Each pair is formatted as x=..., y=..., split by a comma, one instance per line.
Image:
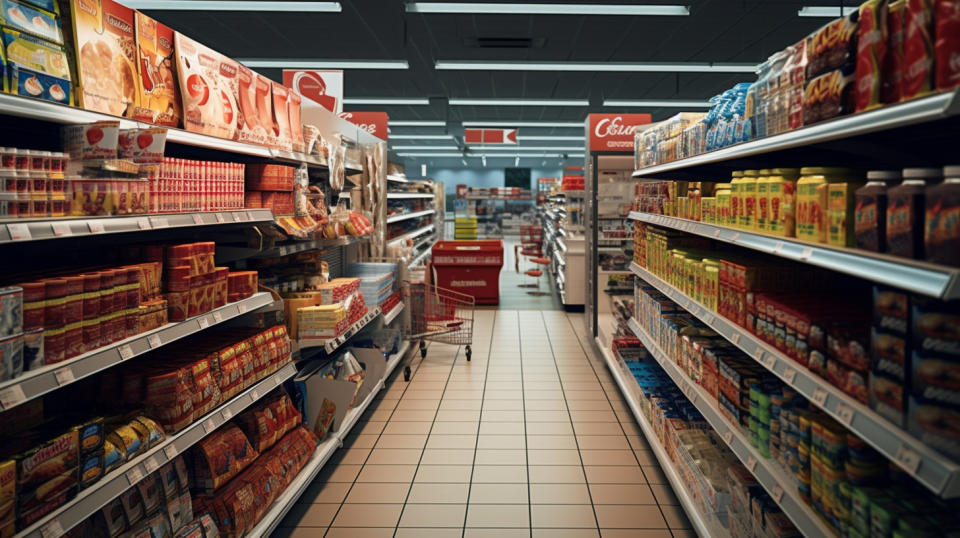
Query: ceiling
x=742, y=31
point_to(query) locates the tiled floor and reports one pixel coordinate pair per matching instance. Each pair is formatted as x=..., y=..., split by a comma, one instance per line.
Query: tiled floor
x=515, y=297
x=531, y=438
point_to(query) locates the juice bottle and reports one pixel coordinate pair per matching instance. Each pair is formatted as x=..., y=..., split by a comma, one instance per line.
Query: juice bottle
x=812, y=192
x=763, y=202
x=736, y=198
x=840, y=213
x=942, y=228
x=905, y=212
x=694, y=196
x=781, y=201
x=722, y=192
x=870, y=222
x=748, y=193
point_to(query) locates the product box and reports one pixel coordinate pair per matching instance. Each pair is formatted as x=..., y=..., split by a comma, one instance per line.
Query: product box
x=105, y=47
x=935, y=425
x=281, y=116
x=35, y=68
x=206, y=81
x=935, y=359
x=8, y=497
x=249, y=126
x=296, y=124
x=264, y=104
x=157, y=87
x=33, y=20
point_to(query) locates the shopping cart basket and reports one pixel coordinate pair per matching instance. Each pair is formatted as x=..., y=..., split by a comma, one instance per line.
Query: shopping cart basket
x=439, y=315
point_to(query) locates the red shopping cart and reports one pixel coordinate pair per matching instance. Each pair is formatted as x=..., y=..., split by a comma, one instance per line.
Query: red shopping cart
x=439, y=315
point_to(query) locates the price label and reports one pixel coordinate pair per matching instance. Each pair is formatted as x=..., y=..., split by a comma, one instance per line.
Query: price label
x=227, y=414
x=52, y=530
x=154, y=341
x=806, y=254
x=908, y=459
x=236, y=217
x=778, y=247
x=151, y=465
x=96, y=226
x=789, y=375
x=758, y=354
x=197, y=219
x=64, y=376
x=218, y=317
x=716, y=233
x=61, y=229
x=845, y=413
x=170, y=451
x=735, y=237
x=249, y=215
x=735, y=338
x=242, y=308
x=728, y=437
x=220, y=218
x=283, y=251
x=708, y=318
x=126, y=352
x=751, y=463
x=134, y=475
x=209, y=425
x=19, y=232
x=777, y=493
x=820, y=396
x=255, y=395
x=159, y=222
x=12, y=396
x=143, y=224
x=204, y=323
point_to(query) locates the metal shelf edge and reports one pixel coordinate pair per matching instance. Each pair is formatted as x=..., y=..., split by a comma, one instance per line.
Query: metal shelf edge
x=332, y=344
x=392, y=315
x=407, y=216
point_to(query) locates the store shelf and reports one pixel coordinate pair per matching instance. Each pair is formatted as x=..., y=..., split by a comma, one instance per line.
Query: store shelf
x=112, y=485
x=629, y=389
x=25, y=230
x=559, y=258
x=304, y=246
x=930, y=468
x=331, y=344
x=775, y=480
x=407, y=216
x=890, y=124
x=924, y=278
x=414, y=234
x=410, y=196
x=397, y=178
x=282, y=505
x=36, y=383
x=420, y=257
x=392, y=315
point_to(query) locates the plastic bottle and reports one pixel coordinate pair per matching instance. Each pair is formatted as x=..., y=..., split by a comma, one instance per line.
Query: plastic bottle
x=748, y=195
x=870, y=223
x=942, y=224
x=722, y=193
x=905, y=212
x=781, y=201
x=762, y=220
x=736, y=199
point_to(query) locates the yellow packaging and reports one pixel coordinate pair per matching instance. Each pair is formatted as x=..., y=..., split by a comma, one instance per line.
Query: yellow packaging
x=840, y=208
x=708, y=210
x=812, y=195
x=762, y=220
x=748, y=195
x=711, y=283
x=781, y=201
x=736, y=199
x=8, y=497
x=722, y=193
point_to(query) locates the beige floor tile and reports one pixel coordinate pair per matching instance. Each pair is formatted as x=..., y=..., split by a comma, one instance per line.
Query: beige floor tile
x=419, y=394
x=443, y=456
x=593, y=416
x=547, y=416
x=421, y=405
x=637, y=533
x=559, y=494
x=564, y=516
x=683, y=533
x=463, y=395
x=545, y=405
x=452, y=441
x=602, y=442
x=472, y=532
x=387, y=473
x=549, y=428
x=407, y=428
x=543, y=394
x=498, y=516
x=461, y=405
x=422, y=532
x=455, y=428
x=446, y=415
x=351, y=456
x=431, y=493
x=379, y=414
x=598, y=428
x=646, y=457
x=622, y=494
x=370, y=428
x=359, y=532
x=312, y=515
x=433, y=515
x=502, y=416
x=499, y=474
x=503, y=405
x=584, y=395
x=664, y=494
x=414, y=415
x=655, y=474
x=502, y=428
x=339, y=473
x=368, y=515
x=329, y=492
x=566, y=533
x=501, y=457
x=401, y=441
x=553, y=442
x=676, y=517
x=554, y=457
x=451, y=474
x=556, y=474
x=614, y=474
x=394, y=456
x=612, y=516
x=375, y=492
x=498, y=493
x=638, y=442
x=503, y=394
x=608, y=457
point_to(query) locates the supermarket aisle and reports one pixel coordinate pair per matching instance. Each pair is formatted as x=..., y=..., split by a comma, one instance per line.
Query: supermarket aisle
x=514, y=297
x=530, y=439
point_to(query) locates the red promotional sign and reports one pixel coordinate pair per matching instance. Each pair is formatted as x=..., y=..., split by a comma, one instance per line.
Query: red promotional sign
x=374, y=123
x=322, y=87
x=490, y=136
x=614, y=132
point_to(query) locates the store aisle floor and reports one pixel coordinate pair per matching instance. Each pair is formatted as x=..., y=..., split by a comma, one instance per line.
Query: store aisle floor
x=531, y=438
x=516, y=292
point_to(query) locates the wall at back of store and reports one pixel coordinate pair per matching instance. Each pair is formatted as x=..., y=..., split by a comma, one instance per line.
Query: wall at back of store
x=491, y=177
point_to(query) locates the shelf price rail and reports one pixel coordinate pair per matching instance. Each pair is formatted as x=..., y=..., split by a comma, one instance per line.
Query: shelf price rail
x=935, y=471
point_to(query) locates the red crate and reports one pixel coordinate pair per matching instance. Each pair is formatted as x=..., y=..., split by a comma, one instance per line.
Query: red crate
x=470, y=267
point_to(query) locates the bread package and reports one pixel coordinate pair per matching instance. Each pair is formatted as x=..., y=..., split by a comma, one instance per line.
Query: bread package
x=106, y=56
x=159, y=93
x=206, y=81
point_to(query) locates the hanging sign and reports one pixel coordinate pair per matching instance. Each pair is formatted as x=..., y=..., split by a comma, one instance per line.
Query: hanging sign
x=614, y=132
x=490, y=136
x=324, y=87
x=374, y=123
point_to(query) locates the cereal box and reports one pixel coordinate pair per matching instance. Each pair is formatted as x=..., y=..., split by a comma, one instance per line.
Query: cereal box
x=157, y=87
x=103, y=37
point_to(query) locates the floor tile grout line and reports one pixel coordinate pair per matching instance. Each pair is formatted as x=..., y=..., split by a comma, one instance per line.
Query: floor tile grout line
x=526, y=433
x=580, y=340
x=476, y=445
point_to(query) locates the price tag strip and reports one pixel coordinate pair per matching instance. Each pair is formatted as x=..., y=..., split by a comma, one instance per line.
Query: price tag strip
x=820, y=396
x=12, y=396
x=154, y=341
x=126, y=352
x=846, y=413
x=203, y=322
x=61, y=229
x=170, y=451
x=908, y=458
x=19, y=232
x=64, y=376
x=96, y=226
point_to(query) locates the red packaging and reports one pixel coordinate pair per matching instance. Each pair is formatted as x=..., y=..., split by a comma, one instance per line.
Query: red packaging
x=871, y=53
x=253, y=199
x=918, y=50
x=947, y=45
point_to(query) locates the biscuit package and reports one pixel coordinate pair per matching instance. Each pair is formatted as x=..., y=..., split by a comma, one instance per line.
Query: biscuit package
x=157, y=86
x=207, y=80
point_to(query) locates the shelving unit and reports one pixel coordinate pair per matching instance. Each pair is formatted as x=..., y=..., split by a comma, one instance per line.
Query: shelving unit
x=407, y=216
x=388, y=317
x=424, y=237
x=332, y=344
x=567, y=252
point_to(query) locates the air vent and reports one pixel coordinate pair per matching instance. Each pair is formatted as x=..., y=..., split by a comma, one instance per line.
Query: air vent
x=505, y=42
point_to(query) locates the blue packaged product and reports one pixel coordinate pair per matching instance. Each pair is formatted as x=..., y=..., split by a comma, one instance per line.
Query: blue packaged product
x=27, y=18
x=36, y=68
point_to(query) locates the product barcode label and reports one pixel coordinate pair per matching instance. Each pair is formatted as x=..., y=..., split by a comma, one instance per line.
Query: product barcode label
x=735, y=338
x=220, y=218
x=52, y=530
x=143, y=224
x=170, y=451
x=255, y=395
x=736, y=236
x=96, y=226
x=242, y=308
x=777, y=493
x=708, y=318
x=236, y=217
x=64, y=376
x=751, y=463
x=845, y=413
x=126, y=352
x=151, y=465
x=716, y=233
x=820, y=396
x=249, y=215
x=277, y=380
x=908, y=459
x=203, y=322
x=134, y=475
x=61, y=229
x=789, y=375
x=12, y=396
x=197, y=218
x=154, y=341
x=19, y=232
x=218, y=317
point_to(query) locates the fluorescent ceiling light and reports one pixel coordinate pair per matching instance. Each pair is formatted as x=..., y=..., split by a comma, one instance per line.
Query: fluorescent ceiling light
x=271, y=63
x=420, y=137
x=550, y=137
x=545, y=9
x=458, y=101
x=451, y=155
x=826, y=11
x=484, y=155
x=427, y=148
x=627, y=67
x=385, y=101
x=514, y=149
x=655, y=103
x=417, y=123
x=225, y=5
x=508, y=124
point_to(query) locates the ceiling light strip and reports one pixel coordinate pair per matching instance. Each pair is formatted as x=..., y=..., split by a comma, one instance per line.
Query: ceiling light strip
x=826, y=11
x=416, y=123
x=550, y=137
x=627, y=67
x=491, y=8
x=385, y=101
x=460, y=101
x=510, y=124
x=420, y=137
x=227, y=5
x=307, y=63
x=652, y=103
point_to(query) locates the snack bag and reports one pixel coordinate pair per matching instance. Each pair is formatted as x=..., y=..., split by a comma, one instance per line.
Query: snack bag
x=918, y=50
x=249, y=126
x=157, y=86
x=893, y=61
x=947, y=46
x=871, y=53
x=106, y=56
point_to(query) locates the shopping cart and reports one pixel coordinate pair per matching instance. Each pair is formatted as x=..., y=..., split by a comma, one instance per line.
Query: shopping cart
x=439, y=315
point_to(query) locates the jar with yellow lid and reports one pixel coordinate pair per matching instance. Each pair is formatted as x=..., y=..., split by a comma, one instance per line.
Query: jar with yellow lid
x=762, y=220
x=812, y=196
x=736, y=198
x=748, y=194
x=722, y=194
x=781, y=200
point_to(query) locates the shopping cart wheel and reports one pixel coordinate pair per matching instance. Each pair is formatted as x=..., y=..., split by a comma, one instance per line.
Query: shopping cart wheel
x=469, y=353
x=406, y=374
x=423, y=349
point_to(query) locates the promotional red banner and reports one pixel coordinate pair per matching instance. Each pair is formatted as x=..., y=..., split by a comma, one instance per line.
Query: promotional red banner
x=374, y=123
x=490, y=136
x=614, y=132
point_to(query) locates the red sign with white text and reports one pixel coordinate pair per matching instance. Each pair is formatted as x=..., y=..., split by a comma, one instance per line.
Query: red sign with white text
x=322, y=87
x=490, y=136
x=374, y=123
x=614, y=132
